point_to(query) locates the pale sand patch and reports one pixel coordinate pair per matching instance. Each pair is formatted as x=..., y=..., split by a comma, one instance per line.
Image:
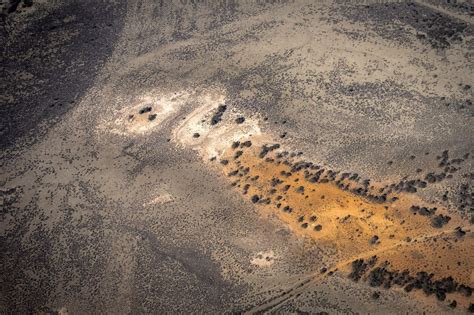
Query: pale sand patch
x=160, y=199
x=213, y=140
x=63, y=311
x=131, y=121
x=263, y=259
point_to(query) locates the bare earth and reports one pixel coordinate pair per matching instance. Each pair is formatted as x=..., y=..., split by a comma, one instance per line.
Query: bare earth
x=236, y=156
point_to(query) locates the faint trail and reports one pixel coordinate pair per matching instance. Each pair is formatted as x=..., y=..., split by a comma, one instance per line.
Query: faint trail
x=302, y=285
x=259, y=171
x=286, y=295
x=461, y=17
x=386, y=248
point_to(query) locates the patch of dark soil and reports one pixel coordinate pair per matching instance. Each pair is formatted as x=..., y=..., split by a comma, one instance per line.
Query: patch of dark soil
x=144, y=110
x=217, y=117
x=380, y=275
x=440, y=31
x=440, y=220
x=424, y=211
x=57, y=82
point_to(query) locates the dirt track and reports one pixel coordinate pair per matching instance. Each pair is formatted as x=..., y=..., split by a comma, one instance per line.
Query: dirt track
x=116, y=119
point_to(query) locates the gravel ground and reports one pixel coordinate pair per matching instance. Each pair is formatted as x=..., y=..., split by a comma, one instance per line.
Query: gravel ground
x=96, y=218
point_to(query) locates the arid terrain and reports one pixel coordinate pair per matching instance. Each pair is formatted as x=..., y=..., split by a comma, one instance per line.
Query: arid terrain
x=236, y=156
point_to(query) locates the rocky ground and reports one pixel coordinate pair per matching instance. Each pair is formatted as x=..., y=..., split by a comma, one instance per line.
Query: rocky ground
x=236, y=156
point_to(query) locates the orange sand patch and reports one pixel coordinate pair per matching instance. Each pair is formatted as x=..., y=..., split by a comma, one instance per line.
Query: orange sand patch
x=340, y=219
